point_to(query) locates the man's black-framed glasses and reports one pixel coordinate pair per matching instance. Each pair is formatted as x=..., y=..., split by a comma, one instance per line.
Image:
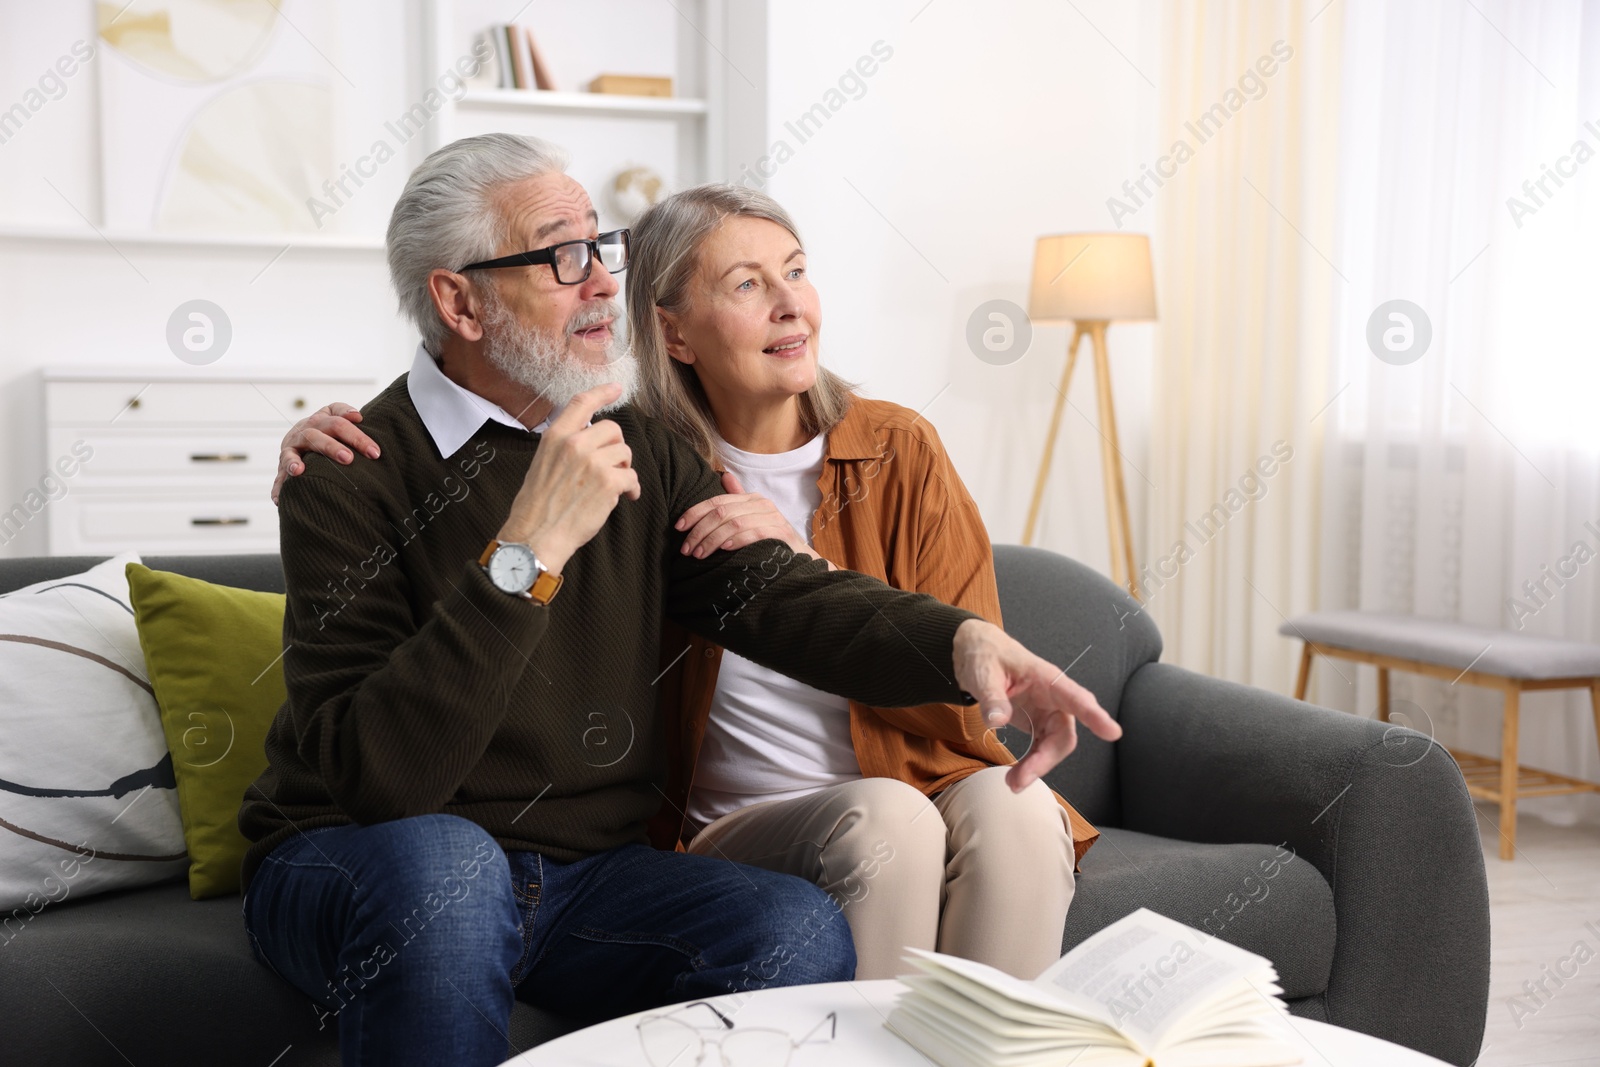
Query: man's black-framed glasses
x=571, y=261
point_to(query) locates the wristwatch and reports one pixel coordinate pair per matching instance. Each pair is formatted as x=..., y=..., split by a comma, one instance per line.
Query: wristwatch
x=515, y=570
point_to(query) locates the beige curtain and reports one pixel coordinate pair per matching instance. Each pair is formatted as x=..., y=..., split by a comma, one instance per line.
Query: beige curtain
x=1247, y=268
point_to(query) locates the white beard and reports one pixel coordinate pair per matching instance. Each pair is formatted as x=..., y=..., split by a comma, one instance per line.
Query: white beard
x=535, y=359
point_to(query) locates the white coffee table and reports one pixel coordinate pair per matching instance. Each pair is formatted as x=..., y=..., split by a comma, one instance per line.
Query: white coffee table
x=863, y=1040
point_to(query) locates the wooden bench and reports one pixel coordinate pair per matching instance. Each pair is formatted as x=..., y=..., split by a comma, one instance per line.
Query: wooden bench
x=1511, y=662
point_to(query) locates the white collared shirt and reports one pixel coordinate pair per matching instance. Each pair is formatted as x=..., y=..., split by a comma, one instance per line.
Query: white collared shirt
x=451, y=413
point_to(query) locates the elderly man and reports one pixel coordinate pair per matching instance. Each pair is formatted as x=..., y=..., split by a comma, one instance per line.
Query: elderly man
x=454, y=809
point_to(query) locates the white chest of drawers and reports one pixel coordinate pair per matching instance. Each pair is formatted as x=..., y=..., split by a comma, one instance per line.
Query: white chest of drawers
x=177, y=463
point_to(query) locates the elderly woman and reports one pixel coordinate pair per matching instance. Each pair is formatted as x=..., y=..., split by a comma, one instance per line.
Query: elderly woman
x=902, y=814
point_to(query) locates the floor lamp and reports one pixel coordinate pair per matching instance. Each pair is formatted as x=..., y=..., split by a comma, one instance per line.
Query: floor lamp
x=1092, y=280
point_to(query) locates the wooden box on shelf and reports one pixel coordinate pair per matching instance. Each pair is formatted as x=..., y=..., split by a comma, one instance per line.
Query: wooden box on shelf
x=631, y=85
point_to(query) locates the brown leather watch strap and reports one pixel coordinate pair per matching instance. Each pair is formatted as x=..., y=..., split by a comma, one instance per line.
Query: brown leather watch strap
x=544, y=588
x=483, y=560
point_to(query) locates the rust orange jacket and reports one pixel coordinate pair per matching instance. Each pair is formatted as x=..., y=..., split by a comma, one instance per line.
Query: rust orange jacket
x=892, y=507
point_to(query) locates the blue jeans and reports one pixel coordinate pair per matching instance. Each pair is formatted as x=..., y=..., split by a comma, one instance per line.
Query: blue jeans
x=416, y=935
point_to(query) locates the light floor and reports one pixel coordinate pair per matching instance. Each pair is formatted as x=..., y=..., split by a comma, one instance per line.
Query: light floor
x=1539, y=905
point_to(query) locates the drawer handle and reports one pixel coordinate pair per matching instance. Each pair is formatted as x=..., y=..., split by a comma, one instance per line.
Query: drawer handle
x=219, y=457
x=236, y=521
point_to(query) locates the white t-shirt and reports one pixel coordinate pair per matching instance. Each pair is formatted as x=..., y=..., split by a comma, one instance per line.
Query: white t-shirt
x=770, y=737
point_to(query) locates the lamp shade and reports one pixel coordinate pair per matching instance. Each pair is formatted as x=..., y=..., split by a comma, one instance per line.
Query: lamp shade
x=1090, y=277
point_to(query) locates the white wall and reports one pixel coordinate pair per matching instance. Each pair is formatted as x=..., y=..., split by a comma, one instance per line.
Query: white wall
x=992, y=123
x=989, y=125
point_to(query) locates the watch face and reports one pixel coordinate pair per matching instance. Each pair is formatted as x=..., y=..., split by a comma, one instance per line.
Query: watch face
x=512, y=568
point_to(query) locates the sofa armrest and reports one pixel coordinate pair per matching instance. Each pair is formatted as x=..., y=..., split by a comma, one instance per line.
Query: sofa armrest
x=1380, y=810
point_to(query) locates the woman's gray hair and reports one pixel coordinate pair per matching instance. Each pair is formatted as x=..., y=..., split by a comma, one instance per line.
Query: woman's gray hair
x=663, y=259
x=447, y=216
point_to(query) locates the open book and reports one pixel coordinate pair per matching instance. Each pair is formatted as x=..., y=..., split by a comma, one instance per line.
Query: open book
x=1145, y=990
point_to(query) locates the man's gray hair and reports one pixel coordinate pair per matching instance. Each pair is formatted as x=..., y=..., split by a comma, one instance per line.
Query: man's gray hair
x=446, y=217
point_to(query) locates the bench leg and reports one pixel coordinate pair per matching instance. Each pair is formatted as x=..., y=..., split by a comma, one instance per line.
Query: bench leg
x=1508, y=777
x=1304, y=679
x=1383, y=696
x=1594, y=702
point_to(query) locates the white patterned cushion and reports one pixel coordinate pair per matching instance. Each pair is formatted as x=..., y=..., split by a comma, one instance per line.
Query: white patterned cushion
x=88, y=801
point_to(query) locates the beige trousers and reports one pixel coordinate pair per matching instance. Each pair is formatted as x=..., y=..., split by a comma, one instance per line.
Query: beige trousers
x=978, y=872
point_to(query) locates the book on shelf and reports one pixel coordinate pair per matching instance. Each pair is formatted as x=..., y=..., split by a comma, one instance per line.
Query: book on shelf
x=521, y=62
x=1144, y=992
x=518, y=59
x=542, y=78
x=631, y=85
x=502, y=56
x=486, y=75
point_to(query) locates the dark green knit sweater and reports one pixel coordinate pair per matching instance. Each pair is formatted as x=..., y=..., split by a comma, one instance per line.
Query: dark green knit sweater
x=415, y=686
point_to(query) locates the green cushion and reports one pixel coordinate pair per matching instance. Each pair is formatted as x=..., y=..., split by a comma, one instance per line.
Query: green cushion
x=214, y=655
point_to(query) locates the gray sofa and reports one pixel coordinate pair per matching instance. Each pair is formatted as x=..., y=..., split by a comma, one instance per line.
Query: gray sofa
x=1343, y=849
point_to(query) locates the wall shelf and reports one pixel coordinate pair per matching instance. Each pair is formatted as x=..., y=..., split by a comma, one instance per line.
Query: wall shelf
x=584, y=103
x=120, y=238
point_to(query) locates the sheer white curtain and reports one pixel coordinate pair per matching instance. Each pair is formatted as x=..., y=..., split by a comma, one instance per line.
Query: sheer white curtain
x=1245, y=220
x=1465, y=483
